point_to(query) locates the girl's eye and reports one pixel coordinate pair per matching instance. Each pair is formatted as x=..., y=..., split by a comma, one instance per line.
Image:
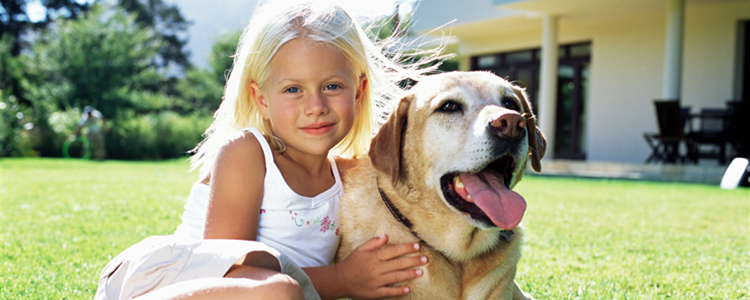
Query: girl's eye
x=292, y=90
x=332, y=86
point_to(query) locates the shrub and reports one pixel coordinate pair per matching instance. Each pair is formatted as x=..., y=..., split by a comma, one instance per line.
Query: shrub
x=154, y=136
x=15, y=124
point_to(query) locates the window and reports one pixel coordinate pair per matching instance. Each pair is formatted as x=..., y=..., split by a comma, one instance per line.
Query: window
x=522, y=68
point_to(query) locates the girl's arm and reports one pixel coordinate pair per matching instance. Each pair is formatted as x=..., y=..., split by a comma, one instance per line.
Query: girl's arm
x=236, y=190
x=368, y=270
x=236, y=193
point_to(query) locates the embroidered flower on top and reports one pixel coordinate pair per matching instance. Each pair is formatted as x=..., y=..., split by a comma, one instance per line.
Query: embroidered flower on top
x=325, y=224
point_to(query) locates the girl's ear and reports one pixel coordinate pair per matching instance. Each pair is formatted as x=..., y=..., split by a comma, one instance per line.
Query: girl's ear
x=260, y=100
x=361, y=89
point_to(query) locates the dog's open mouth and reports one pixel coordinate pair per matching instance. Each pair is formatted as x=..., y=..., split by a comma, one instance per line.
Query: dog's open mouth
x=486, y=195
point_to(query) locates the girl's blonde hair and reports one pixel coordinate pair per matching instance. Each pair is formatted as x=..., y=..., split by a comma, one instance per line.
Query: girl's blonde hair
x=271, y=26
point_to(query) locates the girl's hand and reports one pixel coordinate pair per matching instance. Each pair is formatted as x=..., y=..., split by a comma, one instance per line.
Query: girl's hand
x=369, y=269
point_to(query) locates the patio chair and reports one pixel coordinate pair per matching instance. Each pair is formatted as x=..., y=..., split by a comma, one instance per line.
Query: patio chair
x=711, y=138
x=665, y=145
x=738, y=126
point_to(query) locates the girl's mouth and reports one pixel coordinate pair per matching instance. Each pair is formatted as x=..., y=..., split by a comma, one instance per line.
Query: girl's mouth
x=318, y=128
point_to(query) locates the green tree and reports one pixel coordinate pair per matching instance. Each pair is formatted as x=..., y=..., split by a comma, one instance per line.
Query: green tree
x=15, y=20
x=203, y=89
x=168, y=23
x=103, y=60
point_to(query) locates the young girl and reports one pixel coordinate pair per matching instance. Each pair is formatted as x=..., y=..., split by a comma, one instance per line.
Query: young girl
x=306, y=93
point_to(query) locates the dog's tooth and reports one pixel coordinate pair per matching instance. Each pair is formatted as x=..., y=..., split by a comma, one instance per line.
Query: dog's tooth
x=457, y=182
x=459, y=185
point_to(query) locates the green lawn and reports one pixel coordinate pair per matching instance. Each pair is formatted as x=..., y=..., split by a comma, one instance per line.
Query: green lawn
x=62, y=221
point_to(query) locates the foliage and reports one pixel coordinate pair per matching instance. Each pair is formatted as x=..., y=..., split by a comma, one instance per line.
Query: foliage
x=202, y=89
x=584, y=239
x=14, y=124
x=169, y=25
x=115, y=61
x=15, y=21
x=102, y=60
x=155, y=136
x=11, y=67
x=14, y=113
x=98, y=60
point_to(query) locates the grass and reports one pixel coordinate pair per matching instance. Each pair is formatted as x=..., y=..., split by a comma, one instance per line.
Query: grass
x=63, y=220
x=612, y=239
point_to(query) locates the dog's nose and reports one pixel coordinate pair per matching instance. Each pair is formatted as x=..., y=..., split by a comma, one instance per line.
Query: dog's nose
x=510, y=125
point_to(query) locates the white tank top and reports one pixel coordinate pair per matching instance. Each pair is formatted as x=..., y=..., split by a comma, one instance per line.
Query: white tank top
x=306, y=229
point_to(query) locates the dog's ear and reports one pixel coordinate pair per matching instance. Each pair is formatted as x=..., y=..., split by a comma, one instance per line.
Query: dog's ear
x=537, y=141
x=385, y=148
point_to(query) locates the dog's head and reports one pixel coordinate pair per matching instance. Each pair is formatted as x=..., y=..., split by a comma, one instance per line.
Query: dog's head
x=467, y=135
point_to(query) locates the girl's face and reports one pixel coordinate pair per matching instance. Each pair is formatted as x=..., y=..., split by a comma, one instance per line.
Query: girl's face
x=310, y=96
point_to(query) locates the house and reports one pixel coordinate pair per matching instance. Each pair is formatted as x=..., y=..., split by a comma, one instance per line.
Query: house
x=598, y=65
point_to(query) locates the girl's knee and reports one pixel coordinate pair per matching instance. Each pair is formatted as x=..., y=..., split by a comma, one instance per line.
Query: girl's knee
x=278, y=286
x=282, y=286
x=274, y=285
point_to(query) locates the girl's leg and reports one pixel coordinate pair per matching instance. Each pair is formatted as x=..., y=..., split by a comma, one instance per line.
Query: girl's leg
x=241, y=282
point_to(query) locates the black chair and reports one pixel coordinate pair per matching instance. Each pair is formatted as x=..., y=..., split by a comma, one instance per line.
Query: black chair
x=665, y=145
x=738, y=126
x=712, y=136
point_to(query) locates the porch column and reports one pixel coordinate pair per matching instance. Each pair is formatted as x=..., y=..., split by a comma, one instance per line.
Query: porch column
x=673, y=50
x=548, y=82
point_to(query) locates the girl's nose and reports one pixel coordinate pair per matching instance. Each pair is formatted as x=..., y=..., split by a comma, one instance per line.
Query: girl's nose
x=316, y=105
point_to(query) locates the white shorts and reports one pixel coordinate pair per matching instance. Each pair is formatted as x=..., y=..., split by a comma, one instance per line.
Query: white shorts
x=160, y=261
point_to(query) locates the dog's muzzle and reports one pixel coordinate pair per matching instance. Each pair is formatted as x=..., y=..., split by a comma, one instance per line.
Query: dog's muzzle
x=485, y=195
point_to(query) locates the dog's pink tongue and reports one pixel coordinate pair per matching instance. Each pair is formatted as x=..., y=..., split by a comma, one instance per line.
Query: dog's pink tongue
x=504, y=207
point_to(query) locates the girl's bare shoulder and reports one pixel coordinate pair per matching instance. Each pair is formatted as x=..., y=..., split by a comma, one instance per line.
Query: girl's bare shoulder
x=239, y=154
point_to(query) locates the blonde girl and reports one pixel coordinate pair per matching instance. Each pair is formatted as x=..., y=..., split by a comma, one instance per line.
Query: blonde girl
x=306, y=92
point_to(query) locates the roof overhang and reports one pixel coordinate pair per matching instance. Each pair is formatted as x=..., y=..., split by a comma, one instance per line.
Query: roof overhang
x=525, y=15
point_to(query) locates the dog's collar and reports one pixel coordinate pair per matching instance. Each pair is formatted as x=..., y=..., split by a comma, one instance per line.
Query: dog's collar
x=506, y=234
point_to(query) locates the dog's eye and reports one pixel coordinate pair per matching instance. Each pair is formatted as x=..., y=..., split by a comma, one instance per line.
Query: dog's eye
x=450, y=106
x=510, y=104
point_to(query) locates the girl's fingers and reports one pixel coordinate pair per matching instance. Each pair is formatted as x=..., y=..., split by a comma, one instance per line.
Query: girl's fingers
x=403, y=263
x=373, y=243
x=400, y=276
x=391, y=291
x=394, y=251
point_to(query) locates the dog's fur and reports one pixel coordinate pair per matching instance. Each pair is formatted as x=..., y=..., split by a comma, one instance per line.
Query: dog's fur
x=443, y=126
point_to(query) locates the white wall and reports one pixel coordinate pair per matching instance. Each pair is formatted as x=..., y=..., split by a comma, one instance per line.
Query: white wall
x=626, y=76
x=709, y=57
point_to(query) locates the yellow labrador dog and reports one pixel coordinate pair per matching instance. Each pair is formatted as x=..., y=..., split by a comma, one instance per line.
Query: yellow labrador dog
x=440, y=172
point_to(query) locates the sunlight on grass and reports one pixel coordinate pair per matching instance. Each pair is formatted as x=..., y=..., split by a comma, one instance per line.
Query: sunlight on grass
x=585, y=239
x=606, y=239
x=64, y=220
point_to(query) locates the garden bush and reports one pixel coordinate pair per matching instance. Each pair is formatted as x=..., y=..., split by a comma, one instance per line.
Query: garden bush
x=14, y=127
x=154, y=136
